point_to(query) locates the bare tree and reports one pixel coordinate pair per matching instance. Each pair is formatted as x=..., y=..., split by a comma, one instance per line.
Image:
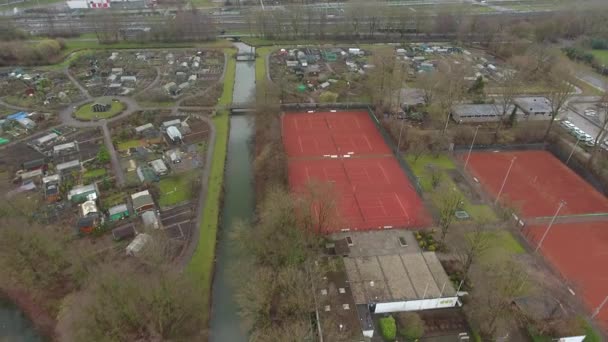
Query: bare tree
x=603, y=117
x=449, y=201
x=559, y=91
x=505, y=94
x=490, y=307
x=476, y=243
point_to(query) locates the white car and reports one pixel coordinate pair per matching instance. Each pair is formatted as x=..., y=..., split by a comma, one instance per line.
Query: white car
x=576, y=132
x=590, y=112
x=567, y=125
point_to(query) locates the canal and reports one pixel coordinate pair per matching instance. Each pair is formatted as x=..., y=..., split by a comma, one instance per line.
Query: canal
x=14, y=325
x=238, y=205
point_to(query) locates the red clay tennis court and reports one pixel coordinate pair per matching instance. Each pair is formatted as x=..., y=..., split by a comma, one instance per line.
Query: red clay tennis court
x=538, y=181
x=371, y=193
x=331, y=133
x=578, y=251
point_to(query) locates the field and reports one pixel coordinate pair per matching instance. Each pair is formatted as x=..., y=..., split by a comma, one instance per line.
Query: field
x=345, y=149
x=578, y=252
x=501, y=246
x=536, y=184
x=445, y=165
x=85, y=112
x=176, y=189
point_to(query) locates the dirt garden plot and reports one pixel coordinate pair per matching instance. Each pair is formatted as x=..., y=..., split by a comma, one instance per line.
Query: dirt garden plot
x=305, y=73
x=114, y=73
x=185, y=72
x=39, y=90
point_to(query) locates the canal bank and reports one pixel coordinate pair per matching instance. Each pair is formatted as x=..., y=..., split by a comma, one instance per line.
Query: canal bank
x=238, y=205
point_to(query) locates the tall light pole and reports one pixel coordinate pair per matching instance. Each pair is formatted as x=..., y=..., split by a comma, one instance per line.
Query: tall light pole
x=471, y=148
x=599, y=308
x=400, y=131
x=348, y=95
x=504, y=181
x=447, y=120
x=540, y=243
x=573, y=148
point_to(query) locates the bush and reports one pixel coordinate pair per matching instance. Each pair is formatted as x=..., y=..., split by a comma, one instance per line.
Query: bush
x=411, y=326
x=388, y=328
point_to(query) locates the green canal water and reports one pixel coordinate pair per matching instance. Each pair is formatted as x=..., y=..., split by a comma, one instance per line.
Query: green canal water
x=238, y=206
x=14, y=325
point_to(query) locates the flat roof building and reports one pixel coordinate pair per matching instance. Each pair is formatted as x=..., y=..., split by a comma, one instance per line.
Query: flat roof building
x=65, y=148
x=73, y=165
x=534, y=107
x=463, y=113
x=387, y=272
x=46, y=139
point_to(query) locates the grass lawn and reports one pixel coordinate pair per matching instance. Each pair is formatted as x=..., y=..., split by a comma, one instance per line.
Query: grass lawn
x=176, y=189
x=85, y=112
x=95, y=173
x=502, y=245
x=125, y=145
x=201, y=265
x=600, y=55
x=260, y=62
x=444, y=163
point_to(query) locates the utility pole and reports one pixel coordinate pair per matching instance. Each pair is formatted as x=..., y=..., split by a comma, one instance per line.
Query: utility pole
x=540, y=243
x=599, y=308
x=471, y=148
x=573, y=148
x=400, y=131
x=504, y=181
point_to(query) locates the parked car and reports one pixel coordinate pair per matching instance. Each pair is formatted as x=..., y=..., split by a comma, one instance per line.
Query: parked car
x=567, y=125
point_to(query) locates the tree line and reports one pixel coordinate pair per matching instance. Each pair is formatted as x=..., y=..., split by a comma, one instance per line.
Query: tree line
x=95, y=293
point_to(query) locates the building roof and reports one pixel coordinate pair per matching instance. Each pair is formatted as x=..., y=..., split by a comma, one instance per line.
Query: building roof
x=87, y=221
x=372, y=243
x=397, y=277
x=68, y=165
x=30, y=164
x=123, y=232
x=141, y=199
x=150, y=220
x=117, y=209
x=66, y=146
x=138, y=243
x=146, y=174
x=26, y=122
x=142, y=128
x=479, y=111
x=412, y=96
x=174, y=133
x=88, y=207
x=31, y=174
x=170, y=123
x=533, y=104
x=46, y=138
x=16, y=116
x=51, y=179
x=82, y=189
x=159, y=166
